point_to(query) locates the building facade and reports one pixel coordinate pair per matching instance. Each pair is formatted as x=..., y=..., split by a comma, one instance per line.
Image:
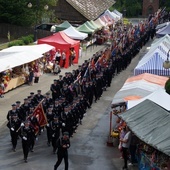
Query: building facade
x=150, y=7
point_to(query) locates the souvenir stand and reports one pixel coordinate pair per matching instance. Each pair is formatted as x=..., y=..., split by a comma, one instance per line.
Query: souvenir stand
x=61, y=41
x=16, y=61
x=150, y=122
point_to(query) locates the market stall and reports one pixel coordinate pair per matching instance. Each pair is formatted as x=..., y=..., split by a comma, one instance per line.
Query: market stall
x=152, y=62
x=151, y=124
x=75, y=34
x=135, y=90
x=16, y=61
x=62, y=26
x=163, y=31
x=91, y=26
x=100, y=22
x=154, y=97
x=85, y=29
x=112, y=17
x=117, y=13
x=99, y=27
x=61, y=41
x=140, y=86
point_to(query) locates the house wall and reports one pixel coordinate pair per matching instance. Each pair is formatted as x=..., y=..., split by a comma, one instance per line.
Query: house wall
x=64, y=11
x=154, y=4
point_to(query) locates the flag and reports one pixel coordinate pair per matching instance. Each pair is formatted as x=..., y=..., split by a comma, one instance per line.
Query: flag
x=40, y=115
x=86, y=74
x=78, y=77
x=92, y=63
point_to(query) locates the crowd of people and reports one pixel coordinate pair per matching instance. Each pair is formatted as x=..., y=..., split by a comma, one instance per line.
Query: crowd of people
x=71, y=95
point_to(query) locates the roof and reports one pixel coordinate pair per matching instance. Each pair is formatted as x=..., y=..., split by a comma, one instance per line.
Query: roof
x=19, y=55
x=75, y=34
x=151, y=123
x=58, y=38
x=139, y=86
x=63, y=26
x=84, y=28
x=152, y=62
x=91, y=9
x=155, y=97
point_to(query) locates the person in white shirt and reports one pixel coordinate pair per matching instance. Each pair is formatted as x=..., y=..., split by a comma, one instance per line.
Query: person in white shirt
x=58, y=56
x=63, y=57
x=125, y=146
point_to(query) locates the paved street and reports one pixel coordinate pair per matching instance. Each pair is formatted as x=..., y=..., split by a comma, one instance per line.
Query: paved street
x=88, y=150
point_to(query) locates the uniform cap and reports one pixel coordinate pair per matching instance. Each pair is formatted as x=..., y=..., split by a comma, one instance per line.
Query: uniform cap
x=65, y=134
x=18, y=102
x=38, y=90
x=32, y=93
x=13, y=104
x=31, y=107
x=47, y=94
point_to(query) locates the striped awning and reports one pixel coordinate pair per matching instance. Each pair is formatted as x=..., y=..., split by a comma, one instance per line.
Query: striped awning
x=153, y=61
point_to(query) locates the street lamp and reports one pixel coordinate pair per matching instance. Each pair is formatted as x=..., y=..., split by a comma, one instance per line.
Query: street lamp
x=36, y=15
x=166, y=63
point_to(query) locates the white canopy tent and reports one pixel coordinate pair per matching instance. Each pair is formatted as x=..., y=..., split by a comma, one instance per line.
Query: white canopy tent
x=100, y=22
x=138, y=87
x=158, y=41
x=152, y=62
x=75, y=34
x=155, y=97
x=19, y=55
x=163, y=31
x=117, y=12
x=160, y=26
x=112, y=15
x=134, y=90
x=34, y=49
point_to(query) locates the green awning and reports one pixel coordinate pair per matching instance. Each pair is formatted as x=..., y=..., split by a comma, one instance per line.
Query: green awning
x=84, y=28
x=96, y=25
x=63, y=26
x=91, y=26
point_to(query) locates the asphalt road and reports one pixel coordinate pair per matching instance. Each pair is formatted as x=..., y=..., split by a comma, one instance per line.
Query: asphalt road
x=88, y=151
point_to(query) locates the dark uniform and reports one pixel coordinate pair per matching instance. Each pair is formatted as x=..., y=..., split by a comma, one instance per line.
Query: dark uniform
x=38, y=97
x=50, y=117
x=14, y=130
x=55, y=127
x=55, y=89
x=35, y=125
x=63, y=145
x=26, y=134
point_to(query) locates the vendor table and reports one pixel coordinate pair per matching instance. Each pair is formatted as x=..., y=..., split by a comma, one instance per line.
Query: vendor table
x=14, y=82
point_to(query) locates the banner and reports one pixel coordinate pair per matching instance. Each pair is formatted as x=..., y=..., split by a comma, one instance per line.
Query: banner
x=40, y=115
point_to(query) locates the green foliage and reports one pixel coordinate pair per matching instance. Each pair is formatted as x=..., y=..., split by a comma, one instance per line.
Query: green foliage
x=167, y=86
x=16, y=43
x=165, y=3
x=22, y=41
x=130, y=8
x=17, y=11
x=27, y=39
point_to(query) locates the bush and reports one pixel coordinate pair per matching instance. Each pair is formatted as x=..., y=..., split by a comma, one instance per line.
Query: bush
x=22, y=41
x=167, y=86
x=25, y=40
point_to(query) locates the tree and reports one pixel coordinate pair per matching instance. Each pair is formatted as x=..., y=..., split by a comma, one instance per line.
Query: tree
x=133, y=7
x=167, y=86
x=17, y=11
